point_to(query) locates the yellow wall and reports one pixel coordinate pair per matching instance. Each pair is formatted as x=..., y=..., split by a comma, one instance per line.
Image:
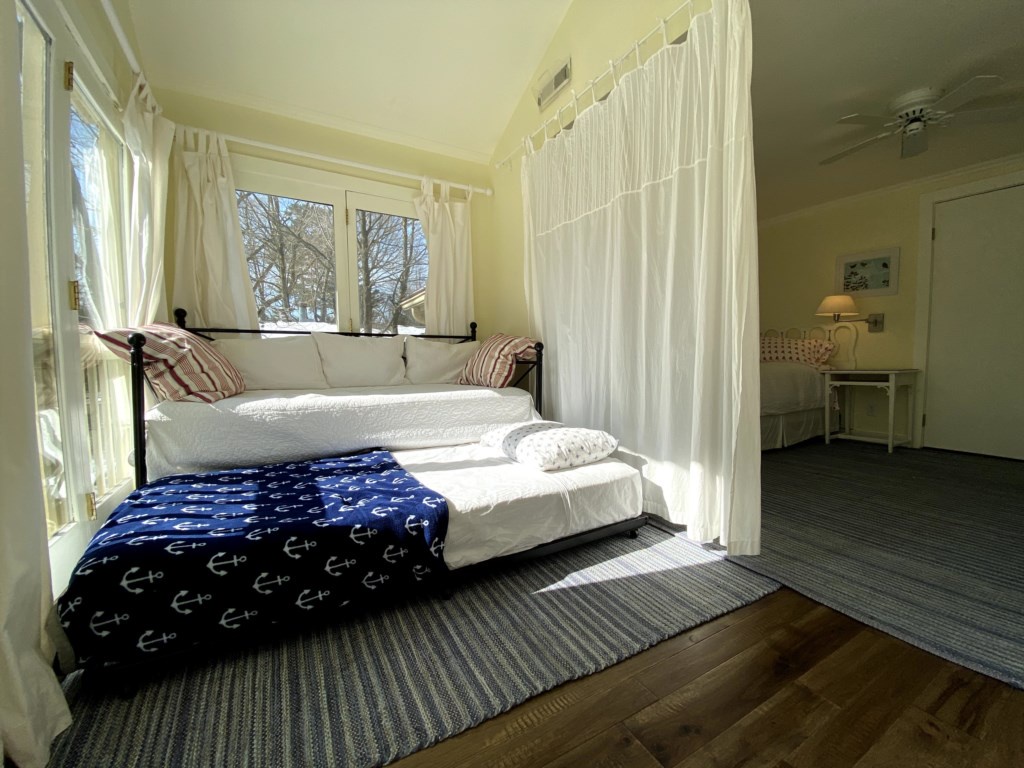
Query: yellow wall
x=592, y=32
x=798, y=257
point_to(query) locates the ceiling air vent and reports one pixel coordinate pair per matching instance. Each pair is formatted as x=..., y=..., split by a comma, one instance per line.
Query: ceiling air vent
x=550, y=86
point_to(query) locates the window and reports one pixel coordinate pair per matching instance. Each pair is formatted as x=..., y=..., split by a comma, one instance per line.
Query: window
x=391, y=254
x=289, y=246
x=73, y=195
x=312, y=270
x=96, y=164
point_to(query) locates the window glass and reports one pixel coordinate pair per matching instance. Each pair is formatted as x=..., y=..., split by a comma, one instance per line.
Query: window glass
x=391, y=253
x=35, y=135
x=96, y=159
x=290, y=249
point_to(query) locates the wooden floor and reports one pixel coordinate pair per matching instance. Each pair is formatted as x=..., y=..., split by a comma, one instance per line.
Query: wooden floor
x=784, y=682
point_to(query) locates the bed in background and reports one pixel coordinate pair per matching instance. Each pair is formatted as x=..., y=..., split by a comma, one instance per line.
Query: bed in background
x=792, y=387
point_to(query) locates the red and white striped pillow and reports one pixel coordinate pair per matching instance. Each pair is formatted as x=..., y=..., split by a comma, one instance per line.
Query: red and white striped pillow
x=179, y=364
x=812, y=352
x=493, y=364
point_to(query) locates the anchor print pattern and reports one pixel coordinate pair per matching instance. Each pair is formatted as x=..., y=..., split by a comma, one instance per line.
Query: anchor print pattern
x=227, y=556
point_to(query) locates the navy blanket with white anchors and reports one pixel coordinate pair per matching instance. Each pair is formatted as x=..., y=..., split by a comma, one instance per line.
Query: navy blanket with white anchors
x=213, y=557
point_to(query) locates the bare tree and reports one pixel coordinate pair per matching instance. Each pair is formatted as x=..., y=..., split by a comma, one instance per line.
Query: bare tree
x=290, y=249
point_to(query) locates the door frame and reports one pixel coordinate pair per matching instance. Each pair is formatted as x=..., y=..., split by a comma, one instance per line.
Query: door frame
x=922, y=314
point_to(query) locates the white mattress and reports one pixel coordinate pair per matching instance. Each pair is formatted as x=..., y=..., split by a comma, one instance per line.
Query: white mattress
x=267, y=426
x=497, y=506
x=788, y=387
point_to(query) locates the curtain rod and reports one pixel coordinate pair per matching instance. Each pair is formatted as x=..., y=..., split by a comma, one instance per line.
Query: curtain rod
x=634, y=51
x=351, y=163
x=122, y=38
x=133, y=62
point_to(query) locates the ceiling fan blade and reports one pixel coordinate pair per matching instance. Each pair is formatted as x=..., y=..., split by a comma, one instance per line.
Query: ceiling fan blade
x=970, y=90
x=913, y=144
x=991, y=115
x=855, y=148
x=855, y=119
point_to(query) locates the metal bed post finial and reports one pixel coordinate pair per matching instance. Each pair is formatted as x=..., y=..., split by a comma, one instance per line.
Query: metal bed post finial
x=138, y=376
x=179, y=317
x=539, y=377
x=472, y=331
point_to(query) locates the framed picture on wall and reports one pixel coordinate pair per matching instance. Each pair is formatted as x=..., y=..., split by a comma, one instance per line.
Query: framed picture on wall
x=875, y=273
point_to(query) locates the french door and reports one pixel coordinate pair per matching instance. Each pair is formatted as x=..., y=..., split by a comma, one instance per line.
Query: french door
x=73, y=191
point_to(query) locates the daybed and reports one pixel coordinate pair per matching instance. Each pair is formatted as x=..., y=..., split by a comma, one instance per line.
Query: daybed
x=792, y=387
x=204, y=557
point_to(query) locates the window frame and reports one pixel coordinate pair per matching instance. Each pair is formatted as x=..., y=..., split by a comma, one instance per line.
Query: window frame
x=67, y=545
x=345, y=193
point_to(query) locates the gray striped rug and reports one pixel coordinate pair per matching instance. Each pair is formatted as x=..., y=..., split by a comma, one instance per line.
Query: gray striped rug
x=925, y=545
x=403, y=678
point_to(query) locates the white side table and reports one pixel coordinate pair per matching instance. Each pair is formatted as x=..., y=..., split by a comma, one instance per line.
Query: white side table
x=890, y=381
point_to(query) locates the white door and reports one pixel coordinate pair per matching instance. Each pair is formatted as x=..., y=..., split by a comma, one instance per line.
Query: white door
x=974, y=396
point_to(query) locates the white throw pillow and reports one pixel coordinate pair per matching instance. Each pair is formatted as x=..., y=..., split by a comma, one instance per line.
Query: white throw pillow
x=354, y=361
x=549, y=445
x=289, y=362
x=436, y=362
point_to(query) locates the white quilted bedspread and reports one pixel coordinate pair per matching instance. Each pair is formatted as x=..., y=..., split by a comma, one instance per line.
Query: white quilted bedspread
x=266, y=426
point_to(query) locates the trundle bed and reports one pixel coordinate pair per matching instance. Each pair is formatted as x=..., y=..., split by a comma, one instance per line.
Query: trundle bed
x=233, y=541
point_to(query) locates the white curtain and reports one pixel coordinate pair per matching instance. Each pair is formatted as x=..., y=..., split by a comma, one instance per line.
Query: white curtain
x=149, y=137
x=641, y=273
x=211, y=278
x=449, y=298
x=32, y=707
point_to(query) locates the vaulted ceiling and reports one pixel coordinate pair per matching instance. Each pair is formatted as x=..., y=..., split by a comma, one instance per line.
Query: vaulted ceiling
x=446, y=75
x=440, y=75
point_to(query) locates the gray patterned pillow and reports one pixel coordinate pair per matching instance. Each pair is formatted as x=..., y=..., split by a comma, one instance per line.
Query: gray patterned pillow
x=549, y=445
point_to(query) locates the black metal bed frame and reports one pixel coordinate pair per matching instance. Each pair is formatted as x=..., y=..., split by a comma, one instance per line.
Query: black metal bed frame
x=138, y=373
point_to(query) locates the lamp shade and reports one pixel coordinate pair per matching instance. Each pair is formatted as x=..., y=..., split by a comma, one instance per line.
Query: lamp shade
x=837, y=306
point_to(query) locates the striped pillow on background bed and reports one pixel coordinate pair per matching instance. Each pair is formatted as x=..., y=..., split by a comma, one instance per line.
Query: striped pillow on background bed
x=179, y=364
x=493, y=364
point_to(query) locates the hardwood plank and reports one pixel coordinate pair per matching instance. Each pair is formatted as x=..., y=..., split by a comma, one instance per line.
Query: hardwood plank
x=843, y=674
x=614, y=748
x=769, y=733
x=694, y=661
x=572, y=694
x=963, y=699
x=684, y=721
x=919, y=740
x=1003, y=741
x=536, y=735
x=863, y=718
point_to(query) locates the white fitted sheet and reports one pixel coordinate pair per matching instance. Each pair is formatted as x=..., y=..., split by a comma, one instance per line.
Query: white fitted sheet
x=267, y=426
x=497, y=506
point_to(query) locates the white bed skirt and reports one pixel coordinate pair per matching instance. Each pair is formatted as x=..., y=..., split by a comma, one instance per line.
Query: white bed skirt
x=786, y=429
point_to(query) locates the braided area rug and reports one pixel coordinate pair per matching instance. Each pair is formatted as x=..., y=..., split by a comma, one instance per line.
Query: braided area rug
x=407, y=676
x=926, y=545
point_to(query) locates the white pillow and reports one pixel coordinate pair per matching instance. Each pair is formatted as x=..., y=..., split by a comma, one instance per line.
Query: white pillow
x=354, y=361
x=549, y=445
x=290, y=362
x=436, y=362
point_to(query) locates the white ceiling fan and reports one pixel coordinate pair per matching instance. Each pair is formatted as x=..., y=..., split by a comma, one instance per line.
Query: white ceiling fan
x=914, y=112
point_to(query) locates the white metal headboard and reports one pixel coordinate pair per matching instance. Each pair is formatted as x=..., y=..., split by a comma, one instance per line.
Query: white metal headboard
x=843, y=335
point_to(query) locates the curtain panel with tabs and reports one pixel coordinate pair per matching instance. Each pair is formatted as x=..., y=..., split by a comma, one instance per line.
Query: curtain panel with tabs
x=449, y=295
x=211, y=276
x=32, y=707
x=641, y=271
